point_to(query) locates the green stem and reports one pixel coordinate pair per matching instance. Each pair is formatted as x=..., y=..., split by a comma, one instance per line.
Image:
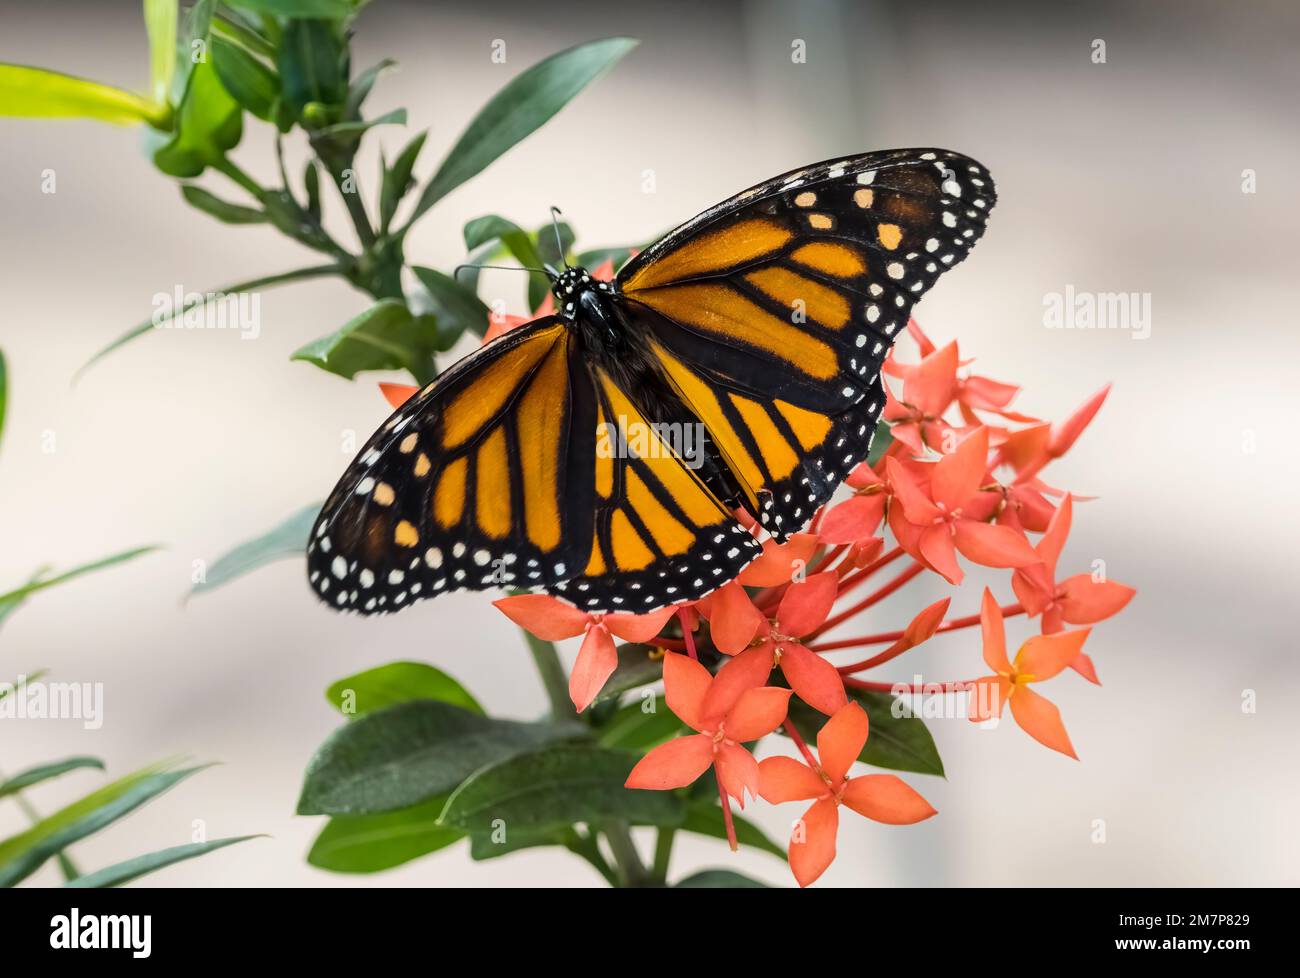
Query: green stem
x=631, y=871
x=229, y=168
x=663, y=853
x=584, y=845
x=551, y=670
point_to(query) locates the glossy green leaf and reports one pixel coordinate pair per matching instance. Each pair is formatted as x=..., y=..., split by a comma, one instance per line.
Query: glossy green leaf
x=287, y=539
x=714, y=879
x=880, y=442
x=632, y=728
x=133, y=869
x=900, y=743
x=398, y=682
x=310, y=62
x=246, y=79
x=311, y=183
x=596, y=257
x=252, y=285
x=44, y=772
x=397, y=180
x=384, y=337
x=299, y=8
x=208, y=124
x=220, y=209
x=22, y=854
x=456, y=307
x=519, y=109
x=235, y=27
x=556, y=787
x=38, y=93
x=407, y=753
x=40, y=584
x=372, y=843
x=360, y=88
x=160, y=19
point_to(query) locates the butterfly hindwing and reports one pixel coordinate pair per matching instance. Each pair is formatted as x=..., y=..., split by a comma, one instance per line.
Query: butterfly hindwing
x=772, y=313
x=660, y=534
x=472, y=483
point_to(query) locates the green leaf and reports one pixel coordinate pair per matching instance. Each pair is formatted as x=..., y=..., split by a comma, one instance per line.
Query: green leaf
x=719, y=879
x=333, y=9
x=22, y=854
x=398, y=682
x=37, y=93
x=506, y=840
x=311, y=183
x=638, y=665
x=880, y=442
x=247, y=80
x=519, y=109
x=556, y=787
x=160, y=19
x=234, y=27
x=597, y=256
x=310, y=60
x=371, y=843
x=361, y=86
x=900, y=743
x=44, y=772
x=220, y=209
x=208, y=123
x=704, y=817
x=40, y=584
x=358, y=127
x=552, y=251
x=397, y=180
x=133, y=869
x=252, y=285
x=632, y=728
x=407, y=753
x=456, y=307
x=384, y=337
x=288, y=539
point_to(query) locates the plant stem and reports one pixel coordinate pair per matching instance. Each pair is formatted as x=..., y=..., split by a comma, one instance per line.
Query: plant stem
x=631, y=871
x=869, y=600
x=584, y=845
x=883, y=637
x=551, y=670
x=688, y=637
x=952, y=686
x=663, y=854
x=229, y=168
x=726, y=813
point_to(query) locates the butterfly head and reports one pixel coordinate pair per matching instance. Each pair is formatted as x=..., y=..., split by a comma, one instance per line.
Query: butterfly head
x=569, y=287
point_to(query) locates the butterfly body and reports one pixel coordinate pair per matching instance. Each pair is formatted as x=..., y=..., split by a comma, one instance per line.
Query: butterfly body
x=563, y=454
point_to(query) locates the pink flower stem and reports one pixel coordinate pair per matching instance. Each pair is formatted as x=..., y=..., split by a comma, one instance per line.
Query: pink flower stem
x=952, y=686
x=726, y=814
x=799, y=742
x=688, y=637
x=869, y=600
x=1008, y=611
x=853, y=580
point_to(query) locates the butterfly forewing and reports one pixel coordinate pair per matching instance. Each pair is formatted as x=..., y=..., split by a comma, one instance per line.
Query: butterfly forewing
x=772, y=313
x=472, y=483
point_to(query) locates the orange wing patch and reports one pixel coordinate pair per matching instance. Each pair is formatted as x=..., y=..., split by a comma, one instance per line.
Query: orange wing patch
x=715, y=251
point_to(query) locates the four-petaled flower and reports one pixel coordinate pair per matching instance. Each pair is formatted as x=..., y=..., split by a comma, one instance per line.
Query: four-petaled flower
x=1040, y=658
x=881, y=797
x=727, y=710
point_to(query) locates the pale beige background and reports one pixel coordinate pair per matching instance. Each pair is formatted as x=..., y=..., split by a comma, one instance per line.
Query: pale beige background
x=1124, y=176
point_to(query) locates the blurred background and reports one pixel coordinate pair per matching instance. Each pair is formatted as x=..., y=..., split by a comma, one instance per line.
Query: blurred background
x=1125, y=176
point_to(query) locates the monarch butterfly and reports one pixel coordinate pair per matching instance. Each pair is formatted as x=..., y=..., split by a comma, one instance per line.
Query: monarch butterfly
x=546, y=459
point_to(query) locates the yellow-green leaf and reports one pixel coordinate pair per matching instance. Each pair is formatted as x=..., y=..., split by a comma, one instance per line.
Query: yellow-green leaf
x=38, y=93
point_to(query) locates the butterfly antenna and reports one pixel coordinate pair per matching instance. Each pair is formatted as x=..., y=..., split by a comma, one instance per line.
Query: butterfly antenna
x=505, y=268
x=559, y=241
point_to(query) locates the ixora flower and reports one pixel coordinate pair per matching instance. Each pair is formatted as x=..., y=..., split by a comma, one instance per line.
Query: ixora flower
x=949, y=483
x=1040, y=658
x=727, y=710
x=880, y=797
x=552, y=620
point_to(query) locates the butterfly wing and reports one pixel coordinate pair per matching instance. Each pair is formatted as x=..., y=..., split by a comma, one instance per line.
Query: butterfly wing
x=771, y=313
x=660, y=535
x=479, y=480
